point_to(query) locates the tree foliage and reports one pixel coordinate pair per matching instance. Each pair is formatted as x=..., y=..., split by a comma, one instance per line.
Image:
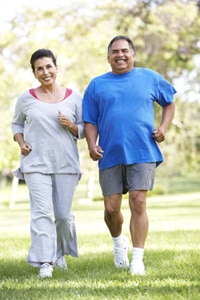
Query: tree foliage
x=167, y=38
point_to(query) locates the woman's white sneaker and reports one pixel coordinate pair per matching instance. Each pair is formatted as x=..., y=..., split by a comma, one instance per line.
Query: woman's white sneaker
x=61, y=263
x=46, y=270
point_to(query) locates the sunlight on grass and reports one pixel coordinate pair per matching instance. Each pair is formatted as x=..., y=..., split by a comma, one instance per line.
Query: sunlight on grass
x=171, y=255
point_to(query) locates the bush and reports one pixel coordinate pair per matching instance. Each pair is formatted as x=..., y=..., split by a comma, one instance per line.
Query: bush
x=156, y=191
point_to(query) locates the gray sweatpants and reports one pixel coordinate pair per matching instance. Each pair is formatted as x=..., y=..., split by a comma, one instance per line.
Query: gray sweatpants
x=51, y=194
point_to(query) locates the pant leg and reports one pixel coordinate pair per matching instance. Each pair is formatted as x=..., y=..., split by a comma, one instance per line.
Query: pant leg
x=64, y=186
x=43, y=232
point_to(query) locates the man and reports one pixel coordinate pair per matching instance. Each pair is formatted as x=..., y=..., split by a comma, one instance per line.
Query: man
x=118, y=110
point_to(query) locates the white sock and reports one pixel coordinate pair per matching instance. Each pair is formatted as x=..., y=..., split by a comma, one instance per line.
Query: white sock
x=137, y=255
x=118, y=242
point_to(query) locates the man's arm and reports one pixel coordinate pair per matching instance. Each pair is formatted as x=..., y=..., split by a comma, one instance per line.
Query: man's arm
x=91, y=134
x=167, y=116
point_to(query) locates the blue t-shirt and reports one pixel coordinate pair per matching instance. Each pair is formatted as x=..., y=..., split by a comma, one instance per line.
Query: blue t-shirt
x=122, y=107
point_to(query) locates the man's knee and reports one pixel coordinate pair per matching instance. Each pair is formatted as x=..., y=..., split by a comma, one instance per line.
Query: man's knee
x=111, y=211
x=137, y=201
x=112, y=204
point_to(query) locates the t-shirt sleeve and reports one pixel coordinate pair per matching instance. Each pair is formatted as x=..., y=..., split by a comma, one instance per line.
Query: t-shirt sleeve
x=79, y=119
x=164, y=91
x=17, y=125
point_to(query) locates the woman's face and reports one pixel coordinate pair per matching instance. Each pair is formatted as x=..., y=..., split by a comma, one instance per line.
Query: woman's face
x=45, y=71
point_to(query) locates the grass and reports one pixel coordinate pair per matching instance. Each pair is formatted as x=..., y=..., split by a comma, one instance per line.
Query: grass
x=172, y=271
x=95, y=278
x=172, y=255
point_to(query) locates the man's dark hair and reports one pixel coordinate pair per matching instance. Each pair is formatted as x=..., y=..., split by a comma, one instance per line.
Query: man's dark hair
x=41, y=53
x=121, y=37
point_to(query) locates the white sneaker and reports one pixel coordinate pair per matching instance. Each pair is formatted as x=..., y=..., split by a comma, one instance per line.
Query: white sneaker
x=46, y=270
x=121, y=254
x=137, y=268
x=60, y=263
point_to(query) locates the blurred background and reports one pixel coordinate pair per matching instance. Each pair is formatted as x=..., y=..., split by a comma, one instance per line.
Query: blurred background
x=166, y=35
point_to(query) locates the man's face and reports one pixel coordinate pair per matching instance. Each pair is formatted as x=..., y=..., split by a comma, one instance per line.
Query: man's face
x=121, y=57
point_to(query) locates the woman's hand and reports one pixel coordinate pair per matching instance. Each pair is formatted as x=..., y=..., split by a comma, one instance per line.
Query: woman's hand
x=25, y=149
x=64, y=121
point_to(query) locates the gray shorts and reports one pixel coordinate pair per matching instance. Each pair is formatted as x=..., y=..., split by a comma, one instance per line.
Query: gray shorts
x=124, y=178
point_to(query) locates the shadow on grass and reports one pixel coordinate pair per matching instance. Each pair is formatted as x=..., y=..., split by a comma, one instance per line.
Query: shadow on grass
x=170, y=274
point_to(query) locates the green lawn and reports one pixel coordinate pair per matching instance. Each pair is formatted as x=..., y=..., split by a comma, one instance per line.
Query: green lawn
x=172, y=255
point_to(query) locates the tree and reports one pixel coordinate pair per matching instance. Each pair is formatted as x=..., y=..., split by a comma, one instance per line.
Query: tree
x=166, y=35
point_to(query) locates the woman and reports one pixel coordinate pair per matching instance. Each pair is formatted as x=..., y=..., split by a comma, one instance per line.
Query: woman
x=47, y=123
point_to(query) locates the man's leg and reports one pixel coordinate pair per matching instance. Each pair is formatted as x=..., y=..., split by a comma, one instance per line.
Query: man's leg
x=139, y=229
x=114, y=220
x=139, y=220
x=112, y=214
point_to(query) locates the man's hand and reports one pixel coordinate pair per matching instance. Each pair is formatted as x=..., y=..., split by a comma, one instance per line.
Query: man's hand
x=96, y=152
x=158, y=135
